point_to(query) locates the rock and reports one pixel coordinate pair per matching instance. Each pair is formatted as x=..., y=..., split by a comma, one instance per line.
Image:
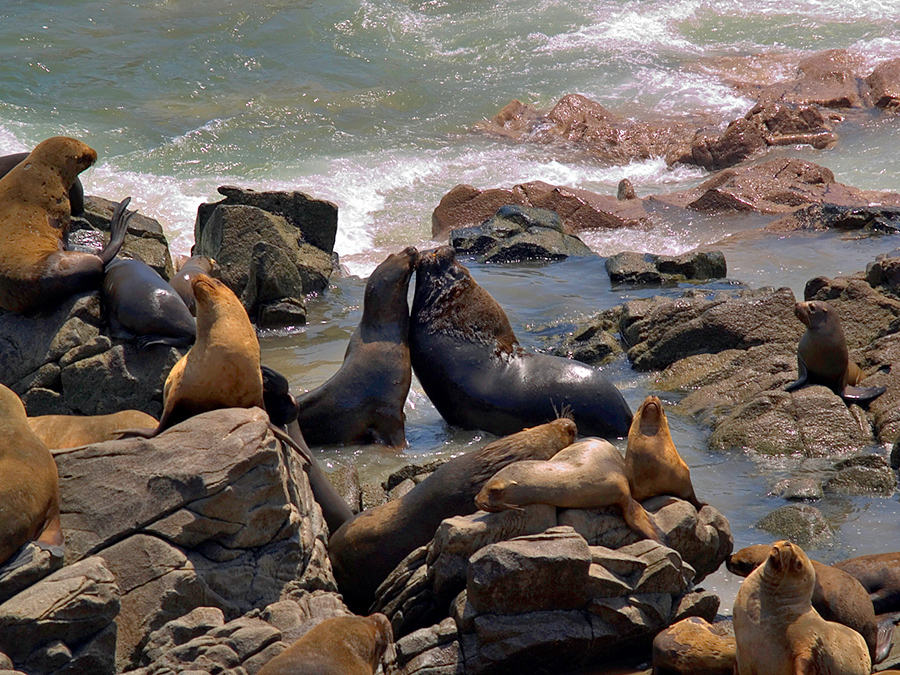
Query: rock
x=595, y=342
x=27, y=567
x=625, y=190
x=826, y=78
x=865, y=475
x=884, y=85
x=802, y=524
x=433, y=650
x=798, y=489
x=646, y=268
x=345, y=479
x=826, y=216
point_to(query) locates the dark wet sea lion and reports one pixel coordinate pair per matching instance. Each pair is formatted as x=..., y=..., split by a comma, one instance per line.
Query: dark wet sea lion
x=363, y=401
x=341, y=645
x=837, y=596
x=466, y=356
x=879, y=574
x=35, y=267
x=366, y=550
x=777, y=630
x=29, y=487
x=181, y=282
x=823, y=357
x=141, y=304
x=76, y=192
x=73, y=431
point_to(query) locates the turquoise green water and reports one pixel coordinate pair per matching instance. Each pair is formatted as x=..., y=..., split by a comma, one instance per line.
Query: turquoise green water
x=369, y=104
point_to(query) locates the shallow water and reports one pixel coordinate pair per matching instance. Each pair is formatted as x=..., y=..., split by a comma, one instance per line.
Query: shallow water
x=368, y=103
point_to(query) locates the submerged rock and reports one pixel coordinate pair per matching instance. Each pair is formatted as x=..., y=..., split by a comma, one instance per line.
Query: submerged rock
x=647, y=268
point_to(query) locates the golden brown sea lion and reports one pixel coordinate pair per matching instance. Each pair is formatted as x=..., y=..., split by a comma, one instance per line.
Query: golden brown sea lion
x=693, y=647
x=35, y=267
x=73, y=431
x=341, y=645
x=652, y=462
x=837, y=596
x=29, y=483
x=366, y=550
x=778, y=632
x=823, y=357
x=587, y=474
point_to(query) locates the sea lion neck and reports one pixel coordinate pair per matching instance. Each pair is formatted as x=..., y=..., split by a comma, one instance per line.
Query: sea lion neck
x=651, y=418
x=385, y=306
x=788, y=577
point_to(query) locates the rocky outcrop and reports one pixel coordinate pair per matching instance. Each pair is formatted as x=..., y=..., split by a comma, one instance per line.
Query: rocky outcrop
x=273, y=248
x=629, y=267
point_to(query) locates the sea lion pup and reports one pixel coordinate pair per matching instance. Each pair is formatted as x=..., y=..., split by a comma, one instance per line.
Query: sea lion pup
x=693, y=647
x=29, y=488
x=35, y=267
x=181, y=282
x=366, y=550
x=823, y=357
x=466, y=356
x=585, y=475
x=778, y=632
x=363, y=401
x=837, y=596
x=341, y=645
x=652, y=462
x=879, y=574
x=142, y=305
x=76, y=192
x=74, y=431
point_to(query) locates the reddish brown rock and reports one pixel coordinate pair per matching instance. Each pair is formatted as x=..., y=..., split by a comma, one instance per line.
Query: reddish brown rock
x=884, y=85
x=828, y=79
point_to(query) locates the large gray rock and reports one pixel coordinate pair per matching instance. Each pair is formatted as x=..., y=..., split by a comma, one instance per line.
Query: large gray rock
x=629, y=267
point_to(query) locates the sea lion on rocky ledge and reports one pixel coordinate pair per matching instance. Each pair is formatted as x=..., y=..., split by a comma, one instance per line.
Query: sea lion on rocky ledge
x=366, y=550
x=73, y=431
x=35, y=266
x=76, y=192
x=588, y=474
x=823, y=357
x=363, y=401
x=469, y=362
x=29, y=488
x=777, y=630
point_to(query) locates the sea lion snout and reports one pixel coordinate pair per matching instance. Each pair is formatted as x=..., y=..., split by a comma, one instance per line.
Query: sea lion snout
x=650, y=415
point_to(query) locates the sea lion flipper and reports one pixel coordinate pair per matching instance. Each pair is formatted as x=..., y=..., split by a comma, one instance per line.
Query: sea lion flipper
x=51, y=538
x=118, y=225
x=853, y=394
x=640, y=521
x=802, y=377
x=885, y=638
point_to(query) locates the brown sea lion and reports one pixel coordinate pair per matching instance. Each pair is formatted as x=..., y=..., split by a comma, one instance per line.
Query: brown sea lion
x=35, y=267
x=823, y=357
x=469, y=362
x=76, y=192
x=363, y=401
x=73, y=431
x=585, y=475
x=879, y=574
x=341, y=645
x=652, y=462
x=837, y=596
x=366, y=550
x=29, y=484
x=778, y=632
x=181, y=282
x=693, y=647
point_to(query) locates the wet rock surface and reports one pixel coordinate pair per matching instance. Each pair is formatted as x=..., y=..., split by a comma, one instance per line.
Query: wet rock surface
x=650, y=269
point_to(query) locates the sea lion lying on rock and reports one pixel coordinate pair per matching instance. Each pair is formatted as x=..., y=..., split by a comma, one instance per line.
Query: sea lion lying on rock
x=466, y=356
x=35, y=266
x=879, y=574
x=823, y=357
x=588, y=474
x=777, y=630
x=74, y=431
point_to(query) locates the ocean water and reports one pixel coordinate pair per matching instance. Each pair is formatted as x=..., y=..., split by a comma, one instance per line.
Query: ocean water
x=369, y=104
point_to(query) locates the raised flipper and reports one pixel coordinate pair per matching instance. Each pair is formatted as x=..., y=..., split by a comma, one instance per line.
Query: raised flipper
x=118, y=225
x=803, y=378
x=885, y=637
x=852, y=394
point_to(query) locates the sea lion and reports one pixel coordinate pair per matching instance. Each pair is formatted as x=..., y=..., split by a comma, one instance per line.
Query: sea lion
x=341, y=645
x=76, y=192
x=35, y=267
x=466, y=356
x=652, y=462
x=73, y=431
x=693, y=647
x=141, y=304
x=181, y=282
x=778, y=632
x=366, y=550
x=879, y=574
x=29, y=489
x=823, y=357
x=585, y=475
x=837, y=596
x=363, y=401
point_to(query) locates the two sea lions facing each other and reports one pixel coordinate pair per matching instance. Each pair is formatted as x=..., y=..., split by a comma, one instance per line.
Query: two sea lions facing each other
x=29, y=484
x=35, y=266
x=341, y=645
x=777, y=630
x=366, y=550
x=363, y=402
x=823, y=357
x=470, y=364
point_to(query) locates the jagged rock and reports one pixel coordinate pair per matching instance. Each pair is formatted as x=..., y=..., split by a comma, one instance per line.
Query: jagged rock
x=832, y=216
x=802, y=524
x=52, y=626
x=594, y=342
x=433, y=650
x=27, y=567
x=647, y=268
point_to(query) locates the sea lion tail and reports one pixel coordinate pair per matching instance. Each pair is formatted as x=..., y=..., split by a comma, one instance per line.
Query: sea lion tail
x=118, y=225
x=853, y=394
x=885, y=637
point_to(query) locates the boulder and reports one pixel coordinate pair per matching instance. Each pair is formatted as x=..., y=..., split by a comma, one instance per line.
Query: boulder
x=804, y=525
x=826, y=216
x=647, y=268
x=828, y=79
x=884, y=85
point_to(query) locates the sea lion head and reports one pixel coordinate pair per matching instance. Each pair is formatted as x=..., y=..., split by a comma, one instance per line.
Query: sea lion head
x=280, y=403
x=494, y=495
x=387, y=288
x=788, y=571
x=67, y=156
x=816, y=313
x=203, y=263
x=650, y=419
x=747, y=559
